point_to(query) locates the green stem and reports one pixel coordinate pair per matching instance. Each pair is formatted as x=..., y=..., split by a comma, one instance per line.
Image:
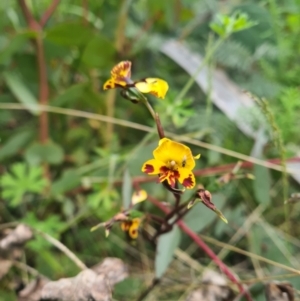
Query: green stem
x=206, y=59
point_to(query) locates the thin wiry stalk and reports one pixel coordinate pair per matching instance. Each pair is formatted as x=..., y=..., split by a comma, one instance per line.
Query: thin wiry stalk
x=249, y=160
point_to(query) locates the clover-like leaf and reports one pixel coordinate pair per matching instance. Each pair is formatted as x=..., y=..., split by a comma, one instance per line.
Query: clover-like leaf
x=226, y=25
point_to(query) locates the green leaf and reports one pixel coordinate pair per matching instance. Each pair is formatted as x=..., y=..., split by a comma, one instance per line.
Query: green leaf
x=14, y=45
x=50, y=152
x=50, y=225
x=14, y=144
x=21, y=180
x=126, y=190
x=262, y=184
x=217, y=29
x=79, y=10
x=69, y=34
x=69, y=96
x=96, y=45
x=69, y=180
x=200, y=217
x=135, y=213
x=269, y=246
x=20, y=91
x=167, y=243
x=129, y=287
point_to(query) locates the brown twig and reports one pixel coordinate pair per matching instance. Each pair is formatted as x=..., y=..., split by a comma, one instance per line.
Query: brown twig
x=37, y=27
x=85, y=8
x=43, y=87
x=49, y=12
x=28, y=15
x=62, y=248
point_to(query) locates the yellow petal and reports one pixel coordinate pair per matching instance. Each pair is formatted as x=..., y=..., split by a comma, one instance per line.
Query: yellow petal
x=139, y=196
x=186, y=178
x=114, y=83
x=122, y=70
x=125, y=225
x=155, y=86
x=169, y=150
x=152, y=167
x=109, y=84
x=133, y=230
x=136, y=222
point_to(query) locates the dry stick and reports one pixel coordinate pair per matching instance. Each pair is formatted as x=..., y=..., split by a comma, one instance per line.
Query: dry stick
x=249, y=160
x=249, y=254
x=62, y=248
x=205, y=248
x=268, y=278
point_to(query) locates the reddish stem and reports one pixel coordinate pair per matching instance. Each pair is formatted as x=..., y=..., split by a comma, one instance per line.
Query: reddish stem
x=204, y=247
x=42, y=67
x=27, y=14
x=37, y=27
x=43, y=87
x=49, y=12
x=210, y=170
x=85, y=8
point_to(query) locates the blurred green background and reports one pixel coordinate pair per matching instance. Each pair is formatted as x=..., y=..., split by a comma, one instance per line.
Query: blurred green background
x=64, y=183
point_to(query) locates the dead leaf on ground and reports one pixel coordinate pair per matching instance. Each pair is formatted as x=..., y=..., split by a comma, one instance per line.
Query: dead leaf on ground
x=5, y=266
x=33, y=290
x=87, y=285
x=96, y=284
x=214, y=288
x=113, y=268
x=279, y=291
x=16, y=238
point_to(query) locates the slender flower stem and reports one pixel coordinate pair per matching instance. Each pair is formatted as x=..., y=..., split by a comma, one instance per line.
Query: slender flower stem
x=205, y=248
x=149, y=107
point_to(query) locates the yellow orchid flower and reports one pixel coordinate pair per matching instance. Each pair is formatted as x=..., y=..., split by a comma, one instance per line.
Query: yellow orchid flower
x=121, y=77
x=173, y=162
x=131, y=227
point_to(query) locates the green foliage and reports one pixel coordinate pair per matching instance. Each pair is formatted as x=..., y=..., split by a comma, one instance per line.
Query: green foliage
x=262, y=192
x=50, y=225
x=126, y=190
x=128, y=287
x=70, y=179
x=62, y=34
x=15, y=144
x=86, y=160
x=50, y=152
x=178, y=112
x=166, y=245
x=19, y=89
x=22, y=179
x=225, y=25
